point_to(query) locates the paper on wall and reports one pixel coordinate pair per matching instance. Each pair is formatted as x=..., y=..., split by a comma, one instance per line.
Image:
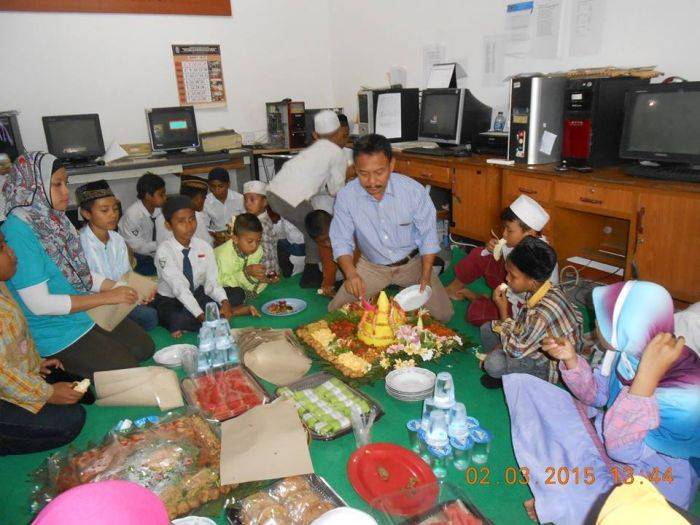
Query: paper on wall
x=432, y=54
x=547, y=142
x=493, y=60
x=518, y=27
x=389, y=115
x=586, y=28
x=545, y=43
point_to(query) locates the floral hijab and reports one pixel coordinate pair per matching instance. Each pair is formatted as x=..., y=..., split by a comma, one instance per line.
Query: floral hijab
x=27, y=193
x=629, y=315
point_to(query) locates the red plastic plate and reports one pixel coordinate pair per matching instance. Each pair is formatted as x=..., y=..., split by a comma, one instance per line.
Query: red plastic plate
x=387, y=477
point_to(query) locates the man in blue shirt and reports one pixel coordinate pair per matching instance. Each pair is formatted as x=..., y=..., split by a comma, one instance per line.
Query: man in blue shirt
x=392, y=219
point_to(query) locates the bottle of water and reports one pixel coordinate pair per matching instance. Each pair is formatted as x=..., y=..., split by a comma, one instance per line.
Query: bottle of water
x=206, y=347
x=499, y=123
x=222, y=343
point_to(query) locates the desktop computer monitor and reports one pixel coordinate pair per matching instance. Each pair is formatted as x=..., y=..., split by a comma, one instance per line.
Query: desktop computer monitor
x=452, y=117
x=10, y=137
x=662, y=123
x=74, y=137
x=172, y=129
x=385, y=112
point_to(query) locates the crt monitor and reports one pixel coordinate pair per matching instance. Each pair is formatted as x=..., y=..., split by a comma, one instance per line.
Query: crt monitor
x=452, y=116
x=662, y=123
x=172, y=129
x=10, y=137
x=74, y=137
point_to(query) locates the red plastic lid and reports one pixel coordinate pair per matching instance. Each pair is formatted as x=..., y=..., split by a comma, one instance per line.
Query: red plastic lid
x=387, y=477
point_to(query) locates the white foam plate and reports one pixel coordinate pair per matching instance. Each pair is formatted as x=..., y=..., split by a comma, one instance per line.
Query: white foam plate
x=171, y=356
x=411, y=298
x=412, y=381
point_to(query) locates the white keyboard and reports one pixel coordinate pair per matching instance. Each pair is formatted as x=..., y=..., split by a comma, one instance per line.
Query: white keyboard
x=414, y=144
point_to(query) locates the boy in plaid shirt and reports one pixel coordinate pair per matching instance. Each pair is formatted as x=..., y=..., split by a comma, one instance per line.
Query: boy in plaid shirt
x=514, y=345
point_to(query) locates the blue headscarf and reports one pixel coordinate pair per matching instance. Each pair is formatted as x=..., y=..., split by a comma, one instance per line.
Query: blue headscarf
x=629, y=315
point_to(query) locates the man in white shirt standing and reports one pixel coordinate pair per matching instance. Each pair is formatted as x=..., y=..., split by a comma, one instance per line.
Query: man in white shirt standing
x=319, y=169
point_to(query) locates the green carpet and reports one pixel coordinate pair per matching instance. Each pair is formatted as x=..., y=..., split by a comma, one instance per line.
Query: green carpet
x=501, y=502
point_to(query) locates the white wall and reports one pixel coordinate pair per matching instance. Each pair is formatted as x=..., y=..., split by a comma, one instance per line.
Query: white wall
x=117, y=65
x=319, y=51
x=370, y=36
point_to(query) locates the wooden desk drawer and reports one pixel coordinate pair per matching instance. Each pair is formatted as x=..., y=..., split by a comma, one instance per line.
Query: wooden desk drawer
x=516, y=185
x=608, y=199
x=402, y=166
x=430, y=172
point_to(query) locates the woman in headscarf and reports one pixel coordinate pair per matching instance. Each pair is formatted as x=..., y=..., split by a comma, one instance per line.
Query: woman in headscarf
x=53, y=283
x=645, y=398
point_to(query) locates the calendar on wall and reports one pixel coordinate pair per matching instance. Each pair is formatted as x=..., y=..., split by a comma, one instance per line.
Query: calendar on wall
x=200, y=77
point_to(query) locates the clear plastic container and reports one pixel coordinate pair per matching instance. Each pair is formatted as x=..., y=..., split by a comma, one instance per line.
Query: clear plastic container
x=482, y=445
x=439, y=459
x=428, y=407
x=437, y=431
x=499, y=122
x=444, y=394
x=413, y=426
x=424, y=453
x=461, y=453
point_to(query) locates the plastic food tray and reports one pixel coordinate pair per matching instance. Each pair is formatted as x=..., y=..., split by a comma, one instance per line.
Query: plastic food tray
x=436, y=511
x=189, y=389
x=319, y=378
x=317, y=483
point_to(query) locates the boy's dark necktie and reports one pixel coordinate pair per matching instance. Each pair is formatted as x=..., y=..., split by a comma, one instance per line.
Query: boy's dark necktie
x=187, y=268
x=153, y=235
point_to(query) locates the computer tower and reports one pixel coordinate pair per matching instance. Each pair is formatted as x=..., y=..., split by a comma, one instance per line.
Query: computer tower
x=286, y=125
x=593, y=118
x=536, y=108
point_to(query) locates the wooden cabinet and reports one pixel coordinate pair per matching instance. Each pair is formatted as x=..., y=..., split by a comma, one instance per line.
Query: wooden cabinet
x=476, y=205
x=516, y=184
x=425, y=172
x=614, y=201
x=668, y=242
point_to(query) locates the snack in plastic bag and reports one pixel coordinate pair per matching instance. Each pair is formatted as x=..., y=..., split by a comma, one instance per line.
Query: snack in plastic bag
x=177, y=458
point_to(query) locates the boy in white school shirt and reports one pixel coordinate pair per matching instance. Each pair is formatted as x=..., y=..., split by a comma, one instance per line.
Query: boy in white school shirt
x=221, y=204
x=319, y=169
x=138, y=225
x=187, y=273
x=105, y=250
x=196, y=189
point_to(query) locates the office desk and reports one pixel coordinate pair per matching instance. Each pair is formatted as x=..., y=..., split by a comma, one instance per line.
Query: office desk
x=122, y=173
x=647, y=227
x=274, y=153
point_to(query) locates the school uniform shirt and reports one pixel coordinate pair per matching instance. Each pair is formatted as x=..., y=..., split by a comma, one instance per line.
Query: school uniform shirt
x=109, y=260
x=172, y=281
x=218, y=214
x=138, y=227
x=163, y=234
x=319, y=167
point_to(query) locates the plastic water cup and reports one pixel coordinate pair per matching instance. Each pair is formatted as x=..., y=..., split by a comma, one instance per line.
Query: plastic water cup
x=437, y=429
x=413, y=426
x=444, y=394
x=461, y=452
x=439, y=457
x=424, y=452
x=190, y=361
x=458, y=422
x=472, y=423
x=211, y=314
x=428, y=407
x=482, y=445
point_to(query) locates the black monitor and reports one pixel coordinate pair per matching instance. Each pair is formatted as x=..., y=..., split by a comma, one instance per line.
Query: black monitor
x=452, y=116
x=172, y=129
x=662, y=123
x=74, y=137
x=10, y=137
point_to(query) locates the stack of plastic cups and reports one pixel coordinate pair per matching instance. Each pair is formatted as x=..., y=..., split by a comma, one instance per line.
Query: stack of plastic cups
x=439, y=457
x=458, y=432
x=222, y=341
x=206, y=347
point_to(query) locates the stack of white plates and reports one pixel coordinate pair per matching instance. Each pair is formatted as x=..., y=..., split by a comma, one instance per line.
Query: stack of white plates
x=410, y=384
